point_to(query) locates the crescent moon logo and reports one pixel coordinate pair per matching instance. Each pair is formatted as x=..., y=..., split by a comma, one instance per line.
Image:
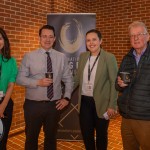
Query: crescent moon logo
x=71, y=46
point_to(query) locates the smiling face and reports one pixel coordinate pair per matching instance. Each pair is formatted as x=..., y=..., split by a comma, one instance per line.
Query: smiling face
x=47, y=39
x=1, y=42
x=138, y=38
x=93, y=43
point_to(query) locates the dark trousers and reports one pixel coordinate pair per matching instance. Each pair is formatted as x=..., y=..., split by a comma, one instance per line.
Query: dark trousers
x=89, y=122
x=7, y=123
x=38, y=114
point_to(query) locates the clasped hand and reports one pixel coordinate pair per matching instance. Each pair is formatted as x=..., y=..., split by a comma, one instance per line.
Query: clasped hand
x=44, y=82
x=111, y=112
x=121, y=83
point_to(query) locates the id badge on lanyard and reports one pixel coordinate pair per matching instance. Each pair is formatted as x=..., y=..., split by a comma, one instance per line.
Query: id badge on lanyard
x=89, y=88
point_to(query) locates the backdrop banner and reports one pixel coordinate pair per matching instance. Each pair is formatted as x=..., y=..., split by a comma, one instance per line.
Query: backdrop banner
x=70, y=39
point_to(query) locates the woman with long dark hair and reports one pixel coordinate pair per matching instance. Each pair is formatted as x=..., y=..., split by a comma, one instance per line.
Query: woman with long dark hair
x=8, y=73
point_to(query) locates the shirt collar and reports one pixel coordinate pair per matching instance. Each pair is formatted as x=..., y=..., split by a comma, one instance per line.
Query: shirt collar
x=44, y=51
x=135, y=54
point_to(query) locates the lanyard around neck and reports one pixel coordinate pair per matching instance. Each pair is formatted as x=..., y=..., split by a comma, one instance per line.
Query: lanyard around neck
x=90, y=70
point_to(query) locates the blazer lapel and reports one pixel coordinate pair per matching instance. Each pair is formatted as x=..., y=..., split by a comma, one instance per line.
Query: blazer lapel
x=100, y=66
x=84, y=61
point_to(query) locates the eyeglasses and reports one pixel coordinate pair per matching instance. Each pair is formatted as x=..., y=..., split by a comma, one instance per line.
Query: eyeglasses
x=47, y=37
x=139, y=35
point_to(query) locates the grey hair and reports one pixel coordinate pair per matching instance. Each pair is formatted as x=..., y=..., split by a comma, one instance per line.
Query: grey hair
x=137, y=24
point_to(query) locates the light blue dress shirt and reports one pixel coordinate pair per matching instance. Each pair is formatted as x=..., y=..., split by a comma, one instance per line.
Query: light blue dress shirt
x=138, y=57
x=34, y=67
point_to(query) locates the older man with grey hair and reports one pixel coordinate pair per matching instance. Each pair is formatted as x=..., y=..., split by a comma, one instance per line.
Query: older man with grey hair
x=134, y=100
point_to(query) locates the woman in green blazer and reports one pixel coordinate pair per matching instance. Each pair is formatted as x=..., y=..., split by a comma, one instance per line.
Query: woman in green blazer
x=96, y=74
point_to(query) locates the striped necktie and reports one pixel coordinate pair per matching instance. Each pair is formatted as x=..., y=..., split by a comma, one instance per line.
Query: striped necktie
x=50, y=93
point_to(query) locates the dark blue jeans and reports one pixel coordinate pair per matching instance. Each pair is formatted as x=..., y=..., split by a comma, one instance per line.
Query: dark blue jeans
x=7, y=123
x=89, y=123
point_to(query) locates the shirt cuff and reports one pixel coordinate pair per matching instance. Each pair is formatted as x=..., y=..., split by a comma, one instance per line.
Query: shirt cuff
x=66, y=98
